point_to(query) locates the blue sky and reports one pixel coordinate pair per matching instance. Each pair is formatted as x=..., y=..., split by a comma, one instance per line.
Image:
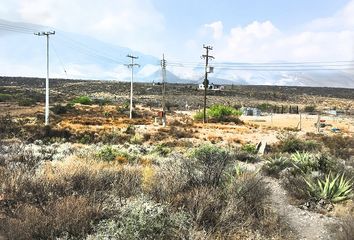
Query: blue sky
x=239, y=30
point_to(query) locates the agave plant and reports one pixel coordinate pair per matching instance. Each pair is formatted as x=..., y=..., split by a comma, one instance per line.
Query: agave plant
x=275, y=165
x=334, y=189
x=304, y=161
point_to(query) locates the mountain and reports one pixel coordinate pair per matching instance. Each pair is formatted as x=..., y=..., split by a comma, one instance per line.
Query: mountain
x=79, y=56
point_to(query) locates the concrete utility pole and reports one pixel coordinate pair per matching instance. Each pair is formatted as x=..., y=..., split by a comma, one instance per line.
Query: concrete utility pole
x=206, y=82
x=163, y=66
x=47, y=78
x=132, y=65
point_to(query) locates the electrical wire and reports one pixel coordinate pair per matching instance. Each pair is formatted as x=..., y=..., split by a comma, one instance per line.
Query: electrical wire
x=61, y=62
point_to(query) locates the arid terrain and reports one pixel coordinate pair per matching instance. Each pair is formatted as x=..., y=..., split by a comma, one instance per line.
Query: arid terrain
x=285, y=173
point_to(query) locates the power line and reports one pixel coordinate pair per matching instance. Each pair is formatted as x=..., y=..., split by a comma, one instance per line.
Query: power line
x=61, y=62
x=92, y=51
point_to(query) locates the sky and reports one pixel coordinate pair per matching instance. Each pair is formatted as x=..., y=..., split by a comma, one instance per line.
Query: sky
x=238, y=30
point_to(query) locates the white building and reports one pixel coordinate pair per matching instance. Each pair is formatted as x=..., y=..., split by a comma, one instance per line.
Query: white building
x=212, y=86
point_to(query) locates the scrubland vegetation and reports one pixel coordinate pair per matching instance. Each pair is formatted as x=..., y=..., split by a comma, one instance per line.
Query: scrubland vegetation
x=95, y=174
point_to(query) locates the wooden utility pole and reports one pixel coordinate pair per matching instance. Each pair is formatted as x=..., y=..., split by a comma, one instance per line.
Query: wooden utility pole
x=132, y=65
x=163, y=66
x=46, y=114
x=206, y=82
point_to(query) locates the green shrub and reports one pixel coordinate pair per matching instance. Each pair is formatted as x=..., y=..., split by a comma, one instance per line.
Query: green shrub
x=144, y=219
x=249, y=148
x=334, y=189
x=5, y=97
x=84, y=100
x=198, y=116
x=309, y=109
x=221, y=112
x=218, y=113
x=26, y=102
x=107, y=154
x=162, y=150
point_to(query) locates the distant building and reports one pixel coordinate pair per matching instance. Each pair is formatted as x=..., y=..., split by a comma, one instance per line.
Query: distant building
x=248, y=111
x=212, y=86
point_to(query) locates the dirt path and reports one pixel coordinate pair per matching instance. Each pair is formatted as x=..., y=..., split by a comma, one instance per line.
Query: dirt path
x=307, y=225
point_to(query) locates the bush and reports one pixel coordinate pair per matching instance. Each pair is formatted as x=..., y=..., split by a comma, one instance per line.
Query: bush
x=296, y=186
x=290, y=143
x=339, y=146
x=221, y=112
x=208, y=165
x=109, y=154
x=61, y=109
x=198, y=116
x=346, y=229
x=144, y=219
x=102, y=102
x=5, y=97
x=69, y=217
x=162, y=150
x=84, y=100
x=309, y=109
x=249, y=148
x=247, y=198
x=218, y=113
x=244, y=156
x=9, y=127
x=26, y=102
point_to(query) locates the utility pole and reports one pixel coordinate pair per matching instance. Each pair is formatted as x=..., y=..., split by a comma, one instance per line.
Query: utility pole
x=163, y=66
x=46, y=114
x=132, y=65
x=206, y=82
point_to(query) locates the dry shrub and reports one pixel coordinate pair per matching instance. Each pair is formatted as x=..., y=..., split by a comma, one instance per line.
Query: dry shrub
x=68, y=217
x=205, y=204
x=70, y=177
x=247, y=198
x=339, y=146
x=169, y=179
x=296, y=186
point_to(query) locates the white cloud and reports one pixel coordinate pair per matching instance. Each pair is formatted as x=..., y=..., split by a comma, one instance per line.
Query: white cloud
x=217, y=29
x=342, y=20
x=123, y=22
